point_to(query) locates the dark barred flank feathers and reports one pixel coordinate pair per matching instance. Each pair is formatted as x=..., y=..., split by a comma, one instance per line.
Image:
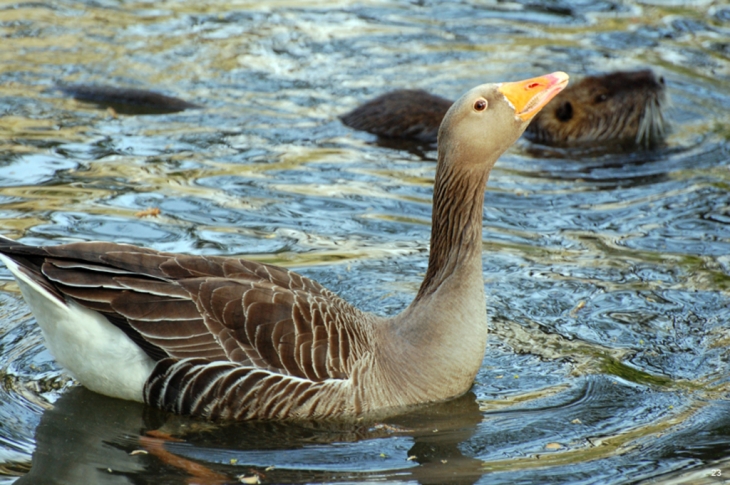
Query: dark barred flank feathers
x=224, y=390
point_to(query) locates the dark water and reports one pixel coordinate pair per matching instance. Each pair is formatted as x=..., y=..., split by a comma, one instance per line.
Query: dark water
x=607, y=275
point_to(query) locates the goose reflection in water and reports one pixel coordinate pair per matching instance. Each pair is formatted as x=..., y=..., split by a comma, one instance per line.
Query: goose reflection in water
x=90, y=438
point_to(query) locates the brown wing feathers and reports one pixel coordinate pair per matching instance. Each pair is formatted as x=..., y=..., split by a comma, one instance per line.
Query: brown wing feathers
x=224, y=331
x=274, y=328
x=185, y=311
x=157, y=315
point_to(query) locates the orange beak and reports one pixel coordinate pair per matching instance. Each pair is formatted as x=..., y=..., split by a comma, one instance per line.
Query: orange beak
x=529, y=96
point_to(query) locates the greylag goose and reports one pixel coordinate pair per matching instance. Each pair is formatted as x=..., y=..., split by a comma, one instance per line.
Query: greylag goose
x=619, y=108
x=227, y=338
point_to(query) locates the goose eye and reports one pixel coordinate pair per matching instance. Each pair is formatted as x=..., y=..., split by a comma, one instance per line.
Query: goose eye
x=601, y=98
x=480, y=104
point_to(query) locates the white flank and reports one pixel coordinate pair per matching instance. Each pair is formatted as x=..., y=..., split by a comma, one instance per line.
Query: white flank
x=98, y=354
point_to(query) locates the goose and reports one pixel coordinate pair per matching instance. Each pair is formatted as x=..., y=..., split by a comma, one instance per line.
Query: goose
x=231, y=339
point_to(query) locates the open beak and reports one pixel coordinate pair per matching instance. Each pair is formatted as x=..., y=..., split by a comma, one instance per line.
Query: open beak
x=529, y=96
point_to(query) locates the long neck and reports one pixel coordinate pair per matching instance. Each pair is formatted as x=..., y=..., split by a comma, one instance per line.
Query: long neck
x=445, y=328
x=456, y=231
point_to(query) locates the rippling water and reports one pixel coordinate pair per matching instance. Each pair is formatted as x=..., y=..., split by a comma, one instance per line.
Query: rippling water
x=607, y=275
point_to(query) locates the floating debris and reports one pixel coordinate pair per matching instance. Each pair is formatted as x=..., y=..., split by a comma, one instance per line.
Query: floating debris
x=581, y=304
x=150, y=212
x=391, y=428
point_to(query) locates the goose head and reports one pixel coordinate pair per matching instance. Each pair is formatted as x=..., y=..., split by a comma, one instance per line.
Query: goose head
x=489, y=118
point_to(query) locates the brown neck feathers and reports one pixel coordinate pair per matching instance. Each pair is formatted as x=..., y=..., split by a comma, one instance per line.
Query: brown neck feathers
x=456, y=232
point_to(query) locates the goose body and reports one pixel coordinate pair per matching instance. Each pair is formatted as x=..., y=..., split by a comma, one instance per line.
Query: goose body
x=234, y=339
